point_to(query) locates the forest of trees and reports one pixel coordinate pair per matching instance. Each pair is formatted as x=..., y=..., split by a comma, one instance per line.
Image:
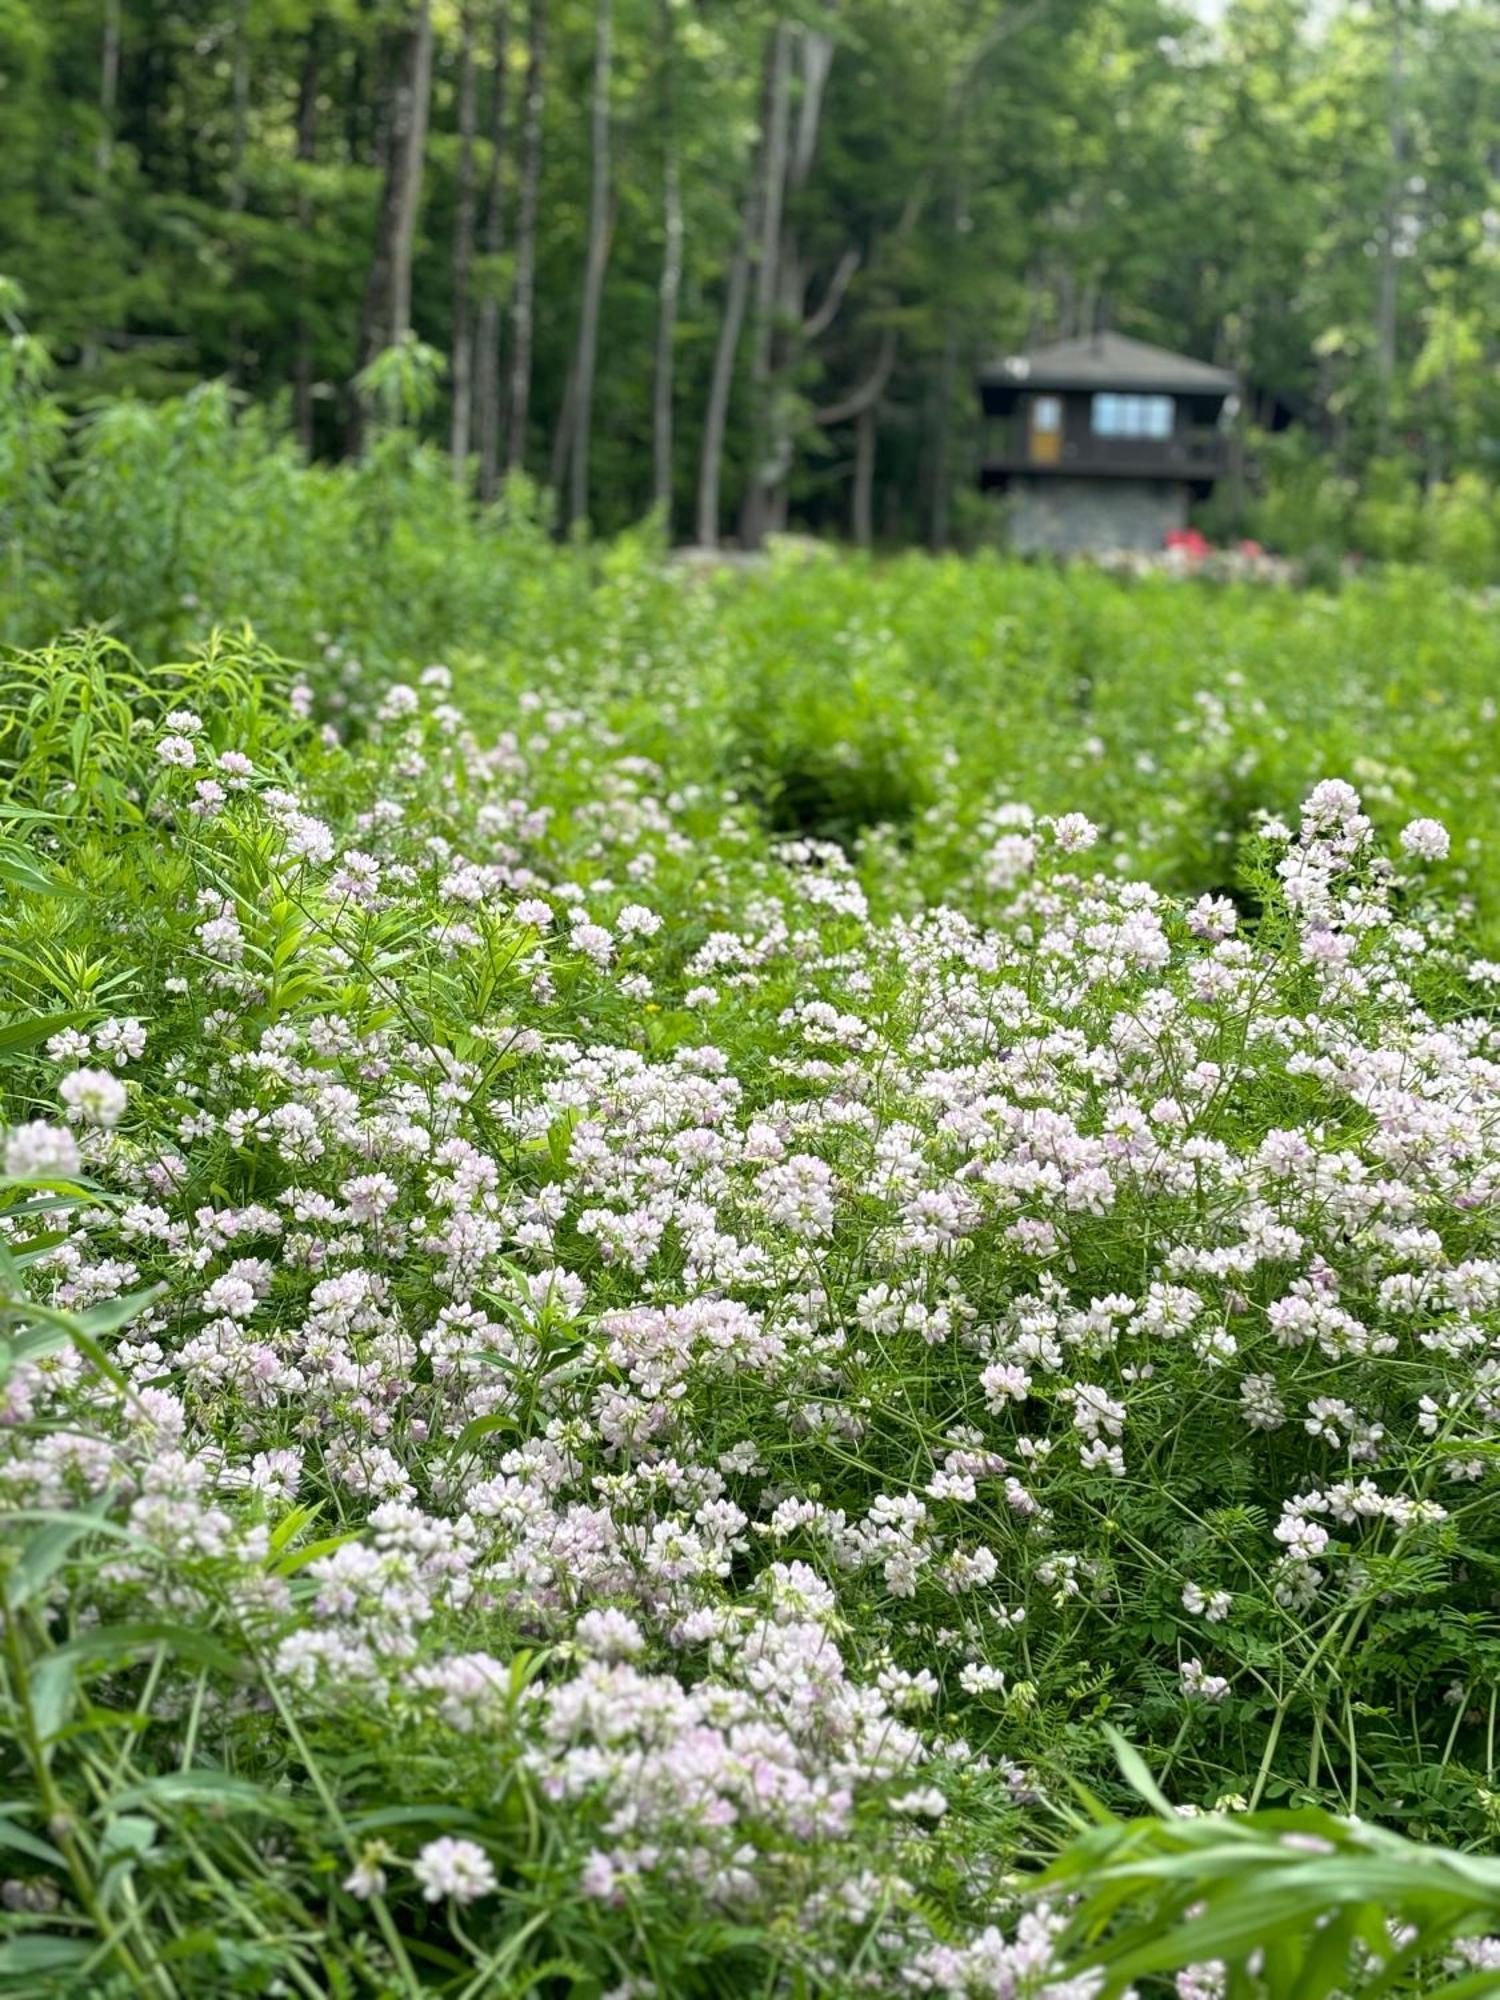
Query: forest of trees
x=737, y=258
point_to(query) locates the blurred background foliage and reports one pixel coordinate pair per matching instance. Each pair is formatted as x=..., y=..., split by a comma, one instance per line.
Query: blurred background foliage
x=585, y=208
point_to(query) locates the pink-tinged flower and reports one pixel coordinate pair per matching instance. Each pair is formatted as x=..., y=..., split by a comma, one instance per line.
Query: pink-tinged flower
x=40, y=1148
x=1425, y=839
x=457, y=1868
x=1074, y=833
x=93, y=1097
x=1200, y=1685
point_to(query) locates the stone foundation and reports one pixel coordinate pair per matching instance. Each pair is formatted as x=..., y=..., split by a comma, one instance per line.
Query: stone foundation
x=1070, y=516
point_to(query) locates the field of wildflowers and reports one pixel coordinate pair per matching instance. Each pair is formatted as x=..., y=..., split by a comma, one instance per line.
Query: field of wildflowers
x=690, y=1300
x=618, y=1371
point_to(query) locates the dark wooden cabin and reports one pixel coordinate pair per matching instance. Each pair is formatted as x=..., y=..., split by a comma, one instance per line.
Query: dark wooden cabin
x=1101, y=443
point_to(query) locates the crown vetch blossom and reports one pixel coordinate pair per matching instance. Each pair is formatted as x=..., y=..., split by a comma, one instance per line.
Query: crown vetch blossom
x=746, y=1429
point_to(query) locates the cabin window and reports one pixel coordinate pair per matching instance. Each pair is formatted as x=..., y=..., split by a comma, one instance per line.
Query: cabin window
x=1114, y=415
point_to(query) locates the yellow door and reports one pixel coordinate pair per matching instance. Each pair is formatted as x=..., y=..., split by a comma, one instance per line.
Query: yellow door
x=1046, y=430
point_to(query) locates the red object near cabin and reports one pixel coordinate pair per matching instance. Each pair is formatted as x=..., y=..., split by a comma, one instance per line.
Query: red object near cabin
x=1190, y=542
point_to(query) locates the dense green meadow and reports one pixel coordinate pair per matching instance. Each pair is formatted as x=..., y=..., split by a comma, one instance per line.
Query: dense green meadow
x=676, y=1242
x=848, y=698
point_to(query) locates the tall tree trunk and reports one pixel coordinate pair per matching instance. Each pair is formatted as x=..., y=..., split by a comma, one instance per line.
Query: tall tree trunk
x=861, y=515
x=669, y=287
x=1386, y=295
x=1440, y=417
x=373, y=306
x=487, y=329
x=942, y=432
x=239, y=107
x=715, y=416
x=593, y=274
x=409, y=161
x=767, y=270
x=462, y=363
x=816, y=53
x=109, y=92
x=385, y=317
x=307, y=147
x=814, y=50
x=942, y=426
x=1237, y=341
x=362, y=124
x=523, y=301
x=562, y=436
x=239, y=93
x=104, y=145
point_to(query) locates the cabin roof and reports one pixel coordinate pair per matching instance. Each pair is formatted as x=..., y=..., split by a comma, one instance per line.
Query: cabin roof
x=1108, y=361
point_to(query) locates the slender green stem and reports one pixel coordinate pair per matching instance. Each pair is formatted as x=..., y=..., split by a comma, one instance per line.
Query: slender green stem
x=330, y=1805
x=61, y=1820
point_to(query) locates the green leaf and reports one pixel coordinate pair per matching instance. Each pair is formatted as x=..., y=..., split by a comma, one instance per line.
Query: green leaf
x=45, y=1553
x=291, y=1524
x=560, y=1142
x=480, y=1428
x=53, y=1330
x=108, y=1645
x=300, y=1558
x=202, y=1786
x=22, y=1842
x=1136, y=1772
x=127, y=1834
x=53, y=1685
x=33, y=1028
x=24, y=874
x=1326, y=1966
x=112, y=1314
x=436, y=1814
x=1482, y=1985
x=42, y=1953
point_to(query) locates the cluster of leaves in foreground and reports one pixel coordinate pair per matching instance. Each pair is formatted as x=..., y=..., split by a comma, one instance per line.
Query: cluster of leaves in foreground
x=584, y=1413
x=1284, y=1900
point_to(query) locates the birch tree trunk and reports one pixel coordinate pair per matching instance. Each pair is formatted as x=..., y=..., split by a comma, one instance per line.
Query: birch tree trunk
x=109, y=92
x=462, y=360
x=593, y=275
x=239, y=119
x=523, y=300
x=104, y=145
x=385, y=315
x=670, y=286
x=1386, y=292
x=487, y=328
x=410, y=155
x=307, y=146
x=773, y=189
x=814, y=53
